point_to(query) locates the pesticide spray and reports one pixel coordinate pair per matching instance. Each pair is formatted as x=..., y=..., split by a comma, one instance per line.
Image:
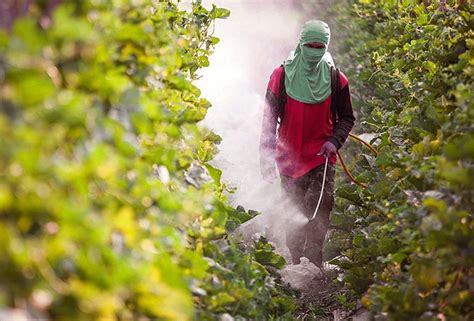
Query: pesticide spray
x=253, y=42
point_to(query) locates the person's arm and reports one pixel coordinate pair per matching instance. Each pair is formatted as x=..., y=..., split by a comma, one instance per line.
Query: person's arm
x=345, y=116
x=268, y=133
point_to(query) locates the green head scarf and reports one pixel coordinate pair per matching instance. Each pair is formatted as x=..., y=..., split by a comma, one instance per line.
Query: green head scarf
x=308, y=70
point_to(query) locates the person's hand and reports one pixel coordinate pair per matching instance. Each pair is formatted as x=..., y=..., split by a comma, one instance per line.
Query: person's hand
x=328, y=149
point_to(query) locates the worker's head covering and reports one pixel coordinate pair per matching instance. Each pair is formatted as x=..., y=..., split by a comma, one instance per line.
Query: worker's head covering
x=308, y=70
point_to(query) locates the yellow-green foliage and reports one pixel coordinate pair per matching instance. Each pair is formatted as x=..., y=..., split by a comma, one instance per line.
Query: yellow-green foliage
x=108, y=208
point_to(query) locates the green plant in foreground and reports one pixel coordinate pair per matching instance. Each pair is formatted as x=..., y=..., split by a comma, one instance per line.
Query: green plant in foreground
x=108, y=206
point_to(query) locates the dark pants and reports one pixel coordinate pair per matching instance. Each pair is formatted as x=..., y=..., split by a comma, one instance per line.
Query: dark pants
x=307, y=240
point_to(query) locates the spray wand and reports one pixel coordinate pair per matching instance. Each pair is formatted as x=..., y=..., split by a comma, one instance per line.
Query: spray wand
x=345, y=170
x=322, y=190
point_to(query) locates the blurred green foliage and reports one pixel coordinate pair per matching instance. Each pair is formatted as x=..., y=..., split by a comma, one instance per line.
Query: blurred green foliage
x=407, y=242
x=108, y=206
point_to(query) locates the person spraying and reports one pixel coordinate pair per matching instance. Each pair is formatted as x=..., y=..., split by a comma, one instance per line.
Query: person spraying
x=301, y=135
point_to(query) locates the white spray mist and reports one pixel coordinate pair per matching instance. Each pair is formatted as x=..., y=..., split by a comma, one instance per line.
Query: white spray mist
x=255, y=39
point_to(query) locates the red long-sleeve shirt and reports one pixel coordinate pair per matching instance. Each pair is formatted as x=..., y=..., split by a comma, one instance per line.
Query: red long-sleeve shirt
x=303, y=131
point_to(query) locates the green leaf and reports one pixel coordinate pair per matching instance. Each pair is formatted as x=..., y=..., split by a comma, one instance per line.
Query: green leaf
x=220, y=13
x=358, y=239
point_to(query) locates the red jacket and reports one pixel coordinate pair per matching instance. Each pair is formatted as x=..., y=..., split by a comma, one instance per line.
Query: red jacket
x=303, y=131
